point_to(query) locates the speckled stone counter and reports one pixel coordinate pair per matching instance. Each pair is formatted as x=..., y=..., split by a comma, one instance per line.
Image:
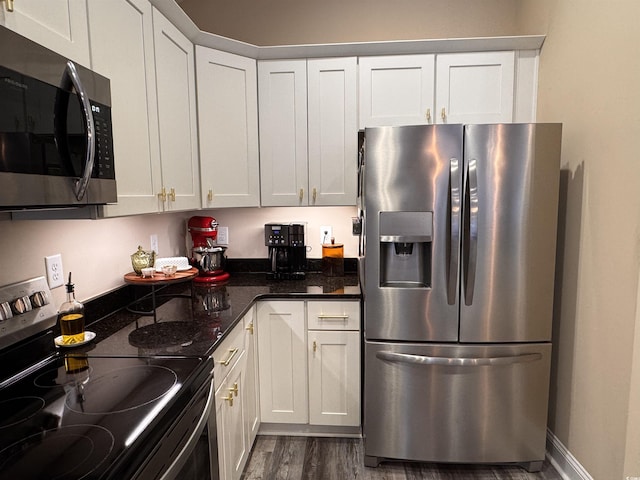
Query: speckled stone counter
x=184, y=328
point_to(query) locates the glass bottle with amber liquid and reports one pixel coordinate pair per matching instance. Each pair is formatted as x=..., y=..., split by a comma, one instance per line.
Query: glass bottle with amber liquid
x=71, y=317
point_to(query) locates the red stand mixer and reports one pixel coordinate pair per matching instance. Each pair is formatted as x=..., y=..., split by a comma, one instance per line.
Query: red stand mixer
x=206, y=255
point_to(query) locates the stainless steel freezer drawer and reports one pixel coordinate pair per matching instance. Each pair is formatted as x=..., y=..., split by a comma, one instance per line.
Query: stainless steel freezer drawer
x=456, y=403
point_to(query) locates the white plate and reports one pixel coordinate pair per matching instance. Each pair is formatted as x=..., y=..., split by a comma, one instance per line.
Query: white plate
x=88, y=336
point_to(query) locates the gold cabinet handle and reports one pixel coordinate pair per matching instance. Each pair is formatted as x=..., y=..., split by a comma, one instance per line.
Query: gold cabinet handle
x=163, y=195
x=301, y=194
x=249, y=328
x=9, y=5
x=428, y=115
x=232, y=353
x=234, y=390
x=315, y=194
x=315, y=346
x=443, y=114
x=322, y=316
x=210, y=195
x=172, y=195
x=229, y=399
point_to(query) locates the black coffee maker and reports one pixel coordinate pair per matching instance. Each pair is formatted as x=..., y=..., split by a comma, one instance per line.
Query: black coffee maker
x=287, y=250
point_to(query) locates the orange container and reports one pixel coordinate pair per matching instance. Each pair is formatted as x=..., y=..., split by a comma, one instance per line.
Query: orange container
x=333, y=259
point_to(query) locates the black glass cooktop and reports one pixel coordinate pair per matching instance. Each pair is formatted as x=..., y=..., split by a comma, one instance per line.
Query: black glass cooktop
x=89, y=417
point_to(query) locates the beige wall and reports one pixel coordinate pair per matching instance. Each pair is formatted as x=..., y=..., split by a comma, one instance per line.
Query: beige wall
x=294, y=22
x=589, y=79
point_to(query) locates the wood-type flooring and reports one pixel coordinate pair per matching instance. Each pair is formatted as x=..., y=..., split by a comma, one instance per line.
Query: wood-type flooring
x=312, y=458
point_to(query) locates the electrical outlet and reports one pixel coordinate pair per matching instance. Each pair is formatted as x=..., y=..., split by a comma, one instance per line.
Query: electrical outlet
x=55, y=274
x=223, y=236
x=153, y=240
x=326, y=232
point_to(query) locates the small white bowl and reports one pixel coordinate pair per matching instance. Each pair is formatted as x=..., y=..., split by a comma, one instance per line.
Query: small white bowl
x=148, y=272
x=169, y=270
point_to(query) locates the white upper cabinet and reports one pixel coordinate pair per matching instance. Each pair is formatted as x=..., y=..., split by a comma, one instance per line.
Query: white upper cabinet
x=60, y=25
x=127, y=59
x=283, y=132
x=475, y=87
x=308, y=131
x=228, y=129
x=445, y=88
x=396, y=90
x=332, y=130
x=177, y=123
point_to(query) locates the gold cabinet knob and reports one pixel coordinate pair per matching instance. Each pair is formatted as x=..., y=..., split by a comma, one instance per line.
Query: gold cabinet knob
x=249, y=328
x=229, y=399
x=163, y=195
x=315, y=346
x=443, y=114
x=234, y=390
x=210, y=195
x=172, y=195
x=314, y=194
x=9, y=4
x=301, y=194
x=428, y=115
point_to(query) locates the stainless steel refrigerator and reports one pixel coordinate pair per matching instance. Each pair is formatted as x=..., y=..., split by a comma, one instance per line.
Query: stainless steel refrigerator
x=460, y=226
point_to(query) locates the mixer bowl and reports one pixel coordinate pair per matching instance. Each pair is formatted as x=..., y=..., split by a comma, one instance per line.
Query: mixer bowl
x=208, y=260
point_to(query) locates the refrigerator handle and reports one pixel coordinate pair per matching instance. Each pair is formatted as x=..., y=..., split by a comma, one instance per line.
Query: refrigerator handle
x=472, y=253
x=454, y=234
x=457, y=361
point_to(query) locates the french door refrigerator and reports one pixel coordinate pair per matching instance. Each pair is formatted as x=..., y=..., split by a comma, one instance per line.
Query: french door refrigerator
x=460, y=228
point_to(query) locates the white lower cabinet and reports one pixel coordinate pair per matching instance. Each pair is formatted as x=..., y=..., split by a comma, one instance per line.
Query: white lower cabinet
x=282, y=351
x=234, y=376
x=309, y=376
x=334, y=377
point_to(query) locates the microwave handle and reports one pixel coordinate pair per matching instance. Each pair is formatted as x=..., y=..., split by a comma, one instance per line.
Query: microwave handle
x=71, y=77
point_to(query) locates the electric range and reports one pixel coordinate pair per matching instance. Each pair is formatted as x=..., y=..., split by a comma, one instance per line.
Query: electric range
x=71, y=415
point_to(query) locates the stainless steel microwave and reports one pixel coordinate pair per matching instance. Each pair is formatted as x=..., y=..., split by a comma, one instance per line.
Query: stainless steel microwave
x=56, y=145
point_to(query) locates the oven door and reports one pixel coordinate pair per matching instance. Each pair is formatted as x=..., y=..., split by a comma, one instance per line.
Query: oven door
x=190, y=448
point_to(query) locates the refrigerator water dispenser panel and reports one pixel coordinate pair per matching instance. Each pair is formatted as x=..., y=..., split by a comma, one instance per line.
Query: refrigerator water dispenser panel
x=405, y=249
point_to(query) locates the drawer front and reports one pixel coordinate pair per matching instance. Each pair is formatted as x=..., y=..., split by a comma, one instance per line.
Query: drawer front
x=333, y=315
x=227, y=354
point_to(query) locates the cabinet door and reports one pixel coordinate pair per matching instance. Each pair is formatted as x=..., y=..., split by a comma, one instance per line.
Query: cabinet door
x=59, y=25
x=224, y=459
x=283, y=366
x=396, y=90
x=175, y=78
x=252, y=402
x=283, y=132
x=334, y=378
x=228, y=127
x=332, y=131
x=127, y=60
x=475, y=87
x=233, y=444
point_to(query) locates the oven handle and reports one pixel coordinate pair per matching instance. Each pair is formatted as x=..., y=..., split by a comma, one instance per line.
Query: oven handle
x=175, y=467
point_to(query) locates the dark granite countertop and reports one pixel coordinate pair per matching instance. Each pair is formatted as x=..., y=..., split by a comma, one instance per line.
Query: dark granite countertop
x=182, y=327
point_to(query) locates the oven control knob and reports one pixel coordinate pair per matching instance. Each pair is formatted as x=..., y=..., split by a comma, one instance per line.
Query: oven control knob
x=5, y=311
x=22, y=305
x=39, y=299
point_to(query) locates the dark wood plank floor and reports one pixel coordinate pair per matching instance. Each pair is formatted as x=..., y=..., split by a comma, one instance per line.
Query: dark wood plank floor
x=311, y=458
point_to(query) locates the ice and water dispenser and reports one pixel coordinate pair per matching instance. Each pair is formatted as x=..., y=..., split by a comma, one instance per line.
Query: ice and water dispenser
x=405, y=249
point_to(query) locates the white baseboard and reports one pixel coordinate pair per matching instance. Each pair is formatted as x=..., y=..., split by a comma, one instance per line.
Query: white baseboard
x=566, y=464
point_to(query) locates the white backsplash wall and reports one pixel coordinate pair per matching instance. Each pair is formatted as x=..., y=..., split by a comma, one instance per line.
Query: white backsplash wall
x=98, y=252
x=246, y=228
